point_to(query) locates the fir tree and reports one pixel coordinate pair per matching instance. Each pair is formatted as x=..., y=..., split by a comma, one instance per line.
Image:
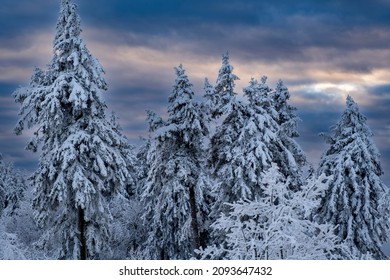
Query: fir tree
x=357, y=200
x=244, y=146
x=143, y=163
x=84, y=158
x=176, y=185
x=209, y=103
x=288, y=122
x=223, y=91
x=12, y=187
x=18, y=231
x=287, y=153
x=273, y=226
x=230, y=166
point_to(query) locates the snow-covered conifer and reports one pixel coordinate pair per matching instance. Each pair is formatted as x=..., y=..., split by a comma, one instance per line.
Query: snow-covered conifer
x=209, y=103
x=84, y=158
x=223, y=92
x=143, y=166
x=288, y=122
x=285, y=157
x=12, y=187
x=244, y=146
x=273, y=226
x=17, y=229
x=356, y=199
x=175, y=189
x=235, y=158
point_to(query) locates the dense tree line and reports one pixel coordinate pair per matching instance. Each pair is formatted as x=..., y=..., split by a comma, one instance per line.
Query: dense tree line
x=222, y=177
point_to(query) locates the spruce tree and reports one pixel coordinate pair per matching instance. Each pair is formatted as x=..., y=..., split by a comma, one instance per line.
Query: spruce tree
x=209, y=100
x=231, y=165
x=12, y=187
x=288, y=121
x=176, y=185
x=223, y=91
x=244, y=146
x=84, y=157
x=274, y=226
x=356, y=200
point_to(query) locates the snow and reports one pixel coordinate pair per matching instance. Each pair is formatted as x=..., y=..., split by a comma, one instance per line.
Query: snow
x=237, y=192
x=174, y=190
x=65, y=103
x=355, y=197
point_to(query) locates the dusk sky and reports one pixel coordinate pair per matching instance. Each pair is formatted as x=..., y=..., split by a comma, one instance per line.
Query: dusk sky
x=322, y=50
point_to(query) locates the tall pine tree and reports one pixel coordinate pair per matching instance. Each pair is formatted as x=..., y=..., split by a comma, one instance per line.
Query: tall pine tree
x=176, y=185
x=356, y=199
x=84, y=157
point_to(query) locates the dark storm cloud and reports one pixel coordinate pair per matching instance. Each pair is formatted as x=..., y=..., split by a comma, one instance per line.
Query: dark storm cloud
x=250, y=29
x=8, y=111
x=181, y=14
x=158, y=16
x=284, y=25
x=314, y=122
x=131, y=108
x=377, y=111
x=24, y=16
x=380, y=90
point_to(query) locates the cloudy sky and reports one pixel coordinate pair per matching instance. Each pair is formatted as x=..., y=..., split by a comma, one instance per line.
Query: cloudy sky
x=322, y=50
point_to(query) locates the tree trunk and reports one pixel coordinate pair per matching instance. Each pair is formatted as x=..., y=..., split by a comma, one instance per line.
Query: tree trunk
x=194, y=220
x=83, y=242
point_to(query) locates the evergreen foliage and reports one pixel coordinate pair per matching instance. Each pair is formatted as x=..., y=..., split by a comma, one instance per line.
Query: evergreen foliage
x=246, y=144
x=217, y=179
x=288, y=122
x=273, y=226
x=17, y=229
x=356, y=200
x=176, y=185
x=84, y=157
x=223, y=92
x=12, y=187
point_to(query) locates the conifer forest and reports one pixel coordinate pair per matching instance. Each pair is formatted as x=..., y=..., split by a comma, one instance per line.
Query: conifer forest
x=221, y=175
